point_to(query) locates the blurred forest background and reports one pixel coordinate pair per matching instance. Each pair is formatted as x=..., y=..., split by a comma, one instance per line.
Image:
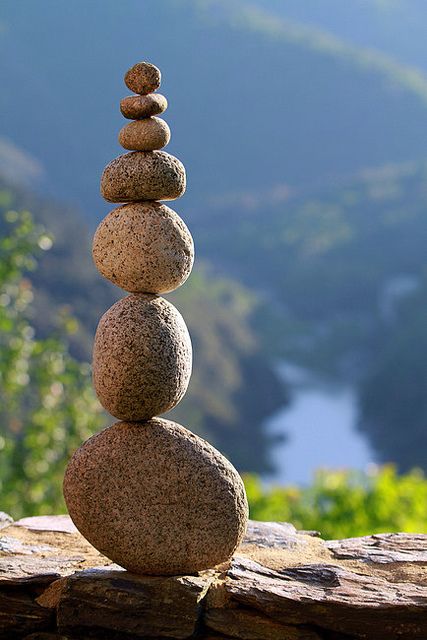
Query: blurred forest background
x=303, y=128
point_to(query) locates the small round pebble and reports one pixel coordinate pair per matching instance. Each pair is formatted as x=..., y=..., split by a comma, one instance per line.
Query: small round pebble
x=144, y=247
x=142, y=357
x=145, y=135
x=143, y=175
x=143, y=78
x=136, y=107
x=156, y=499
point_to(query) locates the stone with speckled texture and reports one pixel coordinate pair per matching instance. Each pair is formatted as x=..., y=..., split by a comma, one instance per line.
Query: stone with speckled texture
x=143, y=175
x=142, y=357
x=143, y=78
x=144, y=247
x=156, y=499
x=145, y=135
x=136, y=107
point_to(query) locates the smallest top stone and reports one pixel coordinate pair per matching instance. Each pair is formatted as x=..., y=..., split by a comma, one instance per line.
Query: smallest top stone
x=143, y=78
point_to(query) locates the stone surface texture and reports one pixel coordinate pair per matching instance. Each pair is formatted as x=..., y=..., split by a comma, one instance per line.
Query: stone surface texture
x=148, y=134
x=146, y=492
x=280, y=585
x=136, y=107
x=143, y=78
x=156, y=498
x=144, y=247
x=142, y=357
x=143, y=175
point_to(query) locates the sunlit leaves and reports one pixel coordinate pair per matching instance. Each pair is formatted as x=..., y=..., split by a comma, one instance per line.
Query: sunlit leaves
x=346, y=503
x=48, y=407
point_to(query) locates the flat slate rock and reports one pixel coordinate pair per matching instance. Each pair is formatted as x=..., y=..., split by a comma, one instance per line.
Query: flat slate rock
x=280, y=585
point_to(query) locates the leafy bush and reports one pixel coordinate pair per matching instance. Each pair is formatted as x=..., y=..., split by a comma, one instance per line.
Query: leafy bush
x=346, y=503
x=47, y=403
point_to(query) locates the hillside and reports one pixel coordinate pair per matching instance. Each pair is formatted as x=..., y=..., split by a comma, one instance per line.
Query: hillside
x=346, y=280
x=283, y=103
x=377, y=24
x=331, y=250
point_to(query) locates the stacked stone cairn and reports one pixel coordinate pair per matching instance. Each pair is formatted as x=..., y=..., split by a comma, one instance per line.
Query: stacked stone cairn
x=146, y=492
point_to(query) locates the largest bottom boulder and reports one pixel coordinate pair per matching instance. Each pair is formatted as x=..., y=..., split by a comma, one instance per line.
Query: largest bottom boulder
x=155, y=498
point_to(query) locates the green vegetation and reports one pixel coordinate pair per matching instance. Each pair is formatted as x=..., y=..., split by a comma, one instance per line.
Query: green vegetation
x=346, y=503
x=48, y=406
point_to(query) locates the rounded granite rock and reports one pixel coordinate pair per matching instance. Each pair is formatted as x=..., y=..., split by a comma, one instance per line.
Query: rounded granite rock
x=143, y=78
x=142, y=357
x=144, y=247
x=143, y=175
x=156, y=499
x=145, y=135
x=136, y=107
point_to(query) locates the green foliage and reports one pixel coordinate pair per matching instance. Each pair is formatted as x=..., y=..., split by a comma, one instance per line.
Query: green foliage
x=346, y=503
x=48, y=406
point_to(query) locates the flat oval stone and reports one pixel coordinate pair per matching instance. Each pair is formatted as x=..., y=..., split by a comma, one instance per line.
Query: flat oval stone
x=136, y=107
x=145, y=135
x=144, y=247
x=143, y=78
x=143, y=175
x=142, y=357
x=156, y=499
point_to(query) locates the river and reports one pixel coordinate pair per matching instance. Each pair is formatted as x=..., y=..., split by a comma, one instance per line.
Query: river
x=320, y=429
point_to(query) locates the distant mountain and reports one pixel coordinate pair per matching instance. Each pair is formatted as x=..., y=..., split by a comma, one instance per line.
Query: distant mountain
x=396, y=27
x=255, y=101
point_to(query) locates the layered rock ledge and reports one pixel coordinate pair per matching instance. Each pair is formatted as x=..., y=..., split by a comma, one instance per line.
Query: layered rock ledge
x=282, y=584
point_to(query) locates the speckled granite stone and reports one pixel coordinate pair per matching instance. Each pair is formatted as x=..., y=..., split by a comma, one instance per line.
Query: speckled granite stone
x=145, y=135
x=143, y=175
x=142, y=357
x=143, y=78
x=144, y=247
x=155, y=498
x=136, y=107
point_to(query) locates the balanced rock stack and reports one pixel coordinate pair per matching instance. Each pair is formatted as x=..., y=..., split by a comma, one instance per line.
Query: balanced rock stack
x=146, y=492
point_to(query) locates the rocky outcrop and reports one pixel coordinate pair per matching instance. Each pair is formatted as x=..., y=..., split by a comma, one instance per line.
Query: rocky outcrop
x=280, y=585
x=151, y=495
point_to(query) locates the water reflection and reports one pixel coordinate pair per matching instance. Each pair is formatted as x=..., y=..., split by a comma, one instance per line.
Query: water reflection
x=319, y=426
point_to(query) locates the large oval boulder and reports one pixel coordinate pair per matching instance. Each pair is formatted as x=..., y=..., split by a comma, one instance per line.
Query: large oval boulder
x=144, y=247
x=143, y=175
x=142, y=357
x=156, y=499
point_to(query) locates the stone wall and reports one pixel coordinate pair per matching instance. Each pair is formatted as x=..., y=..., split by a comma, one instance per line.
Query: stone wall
x=281, y=585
